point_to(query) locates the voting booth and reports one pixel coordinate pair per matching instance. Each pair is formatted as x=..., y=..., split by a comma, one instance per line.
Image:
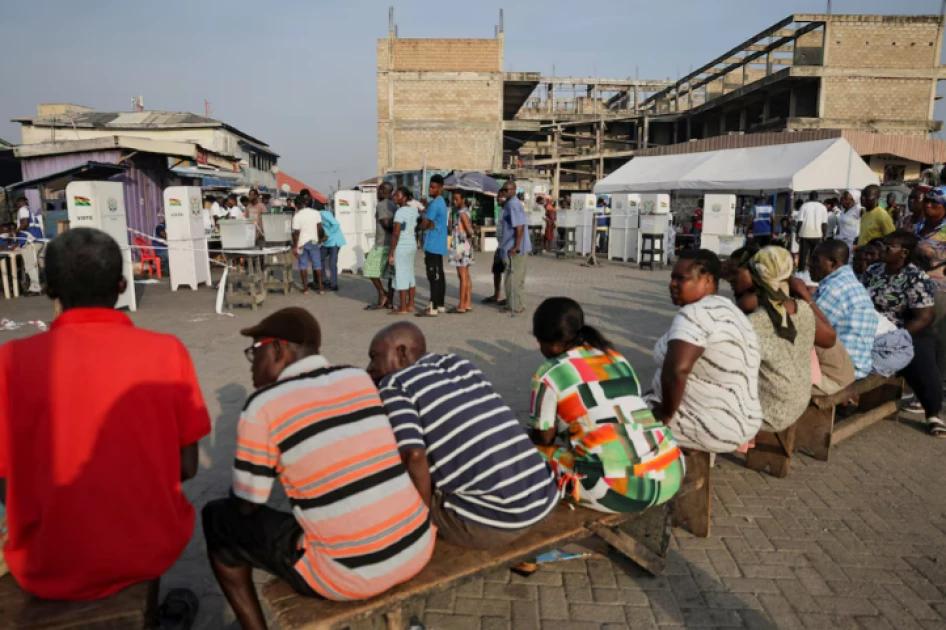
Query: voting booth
x=584, y=207
x=187, y=247
x=101, y=205
x=356, y=220
x=625, y=217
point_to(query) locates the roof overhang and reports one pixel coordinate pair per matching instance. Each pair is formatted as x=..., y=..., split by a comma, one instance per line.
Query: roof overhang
x=94, y=171
x=161, y=147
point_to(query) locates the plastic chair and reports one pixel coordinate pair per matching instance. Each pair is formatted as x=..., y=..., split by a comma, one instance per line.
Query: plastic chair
x=148, y=257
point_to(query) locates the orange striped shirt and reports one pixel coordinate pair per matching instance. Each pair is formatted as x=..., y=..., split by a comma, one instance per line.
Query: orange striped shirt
x=323, y=431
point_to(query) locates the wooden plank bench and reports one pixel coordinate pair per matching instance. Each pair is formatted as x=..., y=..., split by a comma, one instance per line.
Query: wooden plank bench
x=131, y=609
x=452, y=565
x=818, y=429
x=691, y=506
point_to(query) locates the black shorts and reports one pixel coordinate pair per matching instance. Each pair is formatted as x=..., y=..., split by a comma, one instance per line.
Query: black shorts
x=267, y=539
x=499, y=267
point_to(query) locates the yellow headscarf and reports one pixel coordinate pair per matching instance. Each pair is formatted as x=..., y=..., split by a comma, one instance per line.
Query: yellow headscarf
x=771, y=269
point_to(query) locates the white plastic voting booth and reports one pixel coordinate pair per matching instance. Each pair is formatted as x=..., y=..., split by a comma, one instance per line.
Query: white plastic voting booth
x=277, y=227
x=187, y=247
x=583, y=204
x=365, y=222
x=352, y=219
x=101, y=205
x=625, y=217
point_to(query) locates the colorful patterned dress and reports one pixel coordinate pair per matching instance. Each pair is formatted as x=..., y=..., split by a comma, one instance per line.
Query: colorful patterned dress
x=618, y=458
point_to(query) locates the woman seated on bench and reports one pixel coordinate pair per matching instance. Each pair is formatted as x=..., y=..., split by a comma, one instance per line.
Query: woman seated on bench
x=788, y=330
x=706, y=388
x=905, y=294
x=588, y=394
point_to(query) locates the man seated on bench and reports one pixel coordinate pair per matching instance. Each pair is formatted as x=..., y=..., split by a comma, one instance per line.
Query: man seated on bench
x=95, y=441
x=358, y=527
x=464, y=449
x=847, y=305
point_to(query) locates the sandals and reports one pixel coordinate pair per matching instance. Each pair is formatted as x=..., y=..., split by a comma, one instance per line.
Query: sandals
x=937, y=427
x=489, y=300
x=179, y=610
x=913, y=407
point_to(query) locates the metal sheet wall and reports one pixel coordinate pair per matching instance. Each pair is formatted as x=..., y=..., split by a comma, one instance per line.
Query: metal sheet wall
x=143, y=181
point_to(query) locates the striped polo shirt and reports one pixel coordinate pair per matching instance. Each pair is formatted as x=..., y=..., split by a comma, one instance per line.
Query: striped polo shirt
x=323, y=431
x=479, y=455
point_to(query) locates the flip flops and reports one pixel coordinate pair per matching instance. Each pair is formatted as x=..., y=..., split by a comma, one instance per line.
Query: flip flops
x=179, y=610
x=937, y=427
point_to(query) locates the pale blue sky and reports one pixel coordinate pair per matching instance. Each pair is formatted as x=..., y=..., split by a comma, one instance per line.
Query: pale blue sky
x=301, y=75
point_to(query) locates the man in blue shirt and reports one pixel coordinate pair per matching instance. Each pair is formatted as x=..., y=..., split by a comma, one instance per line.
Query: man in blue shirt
x=334, y=241
x=762, y=218
x=515, y=247
x=435, y=246
x=845, y=302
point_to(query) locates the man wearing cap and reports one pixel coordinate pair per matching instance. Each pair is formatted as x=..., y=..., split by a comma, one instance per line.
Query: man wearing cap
x=358, y=525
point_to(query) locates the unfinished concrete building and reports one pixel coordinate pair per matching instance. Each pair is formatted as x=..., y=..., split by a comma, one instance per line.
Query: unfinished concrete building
x=448, y=104
x=808, y=72
x=451, y=101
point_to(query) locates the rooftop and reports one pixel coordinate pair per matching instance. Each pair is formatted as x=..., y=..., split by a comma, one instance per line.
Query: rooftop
x=150, y=119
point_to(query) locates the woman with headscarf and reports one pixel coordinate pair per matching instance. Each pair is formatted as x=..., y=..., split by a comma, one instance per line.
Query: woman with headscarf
x=787, y=328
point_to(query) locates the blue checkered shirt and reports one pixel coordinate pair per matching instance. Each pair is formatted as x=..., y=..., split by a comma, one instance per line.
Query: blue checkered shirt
x=850, y=310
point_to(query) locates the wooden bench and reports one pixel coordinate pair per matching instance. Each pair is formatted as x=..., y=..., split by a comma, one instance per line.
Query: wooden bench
x=452, y=565
x=773, y=451
x=818, y=429
x=691, y=506
x=128, y=610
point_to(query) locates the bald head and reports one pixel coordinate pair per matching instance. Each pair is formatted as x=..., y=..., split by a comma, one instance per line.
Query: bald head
x=394, y=348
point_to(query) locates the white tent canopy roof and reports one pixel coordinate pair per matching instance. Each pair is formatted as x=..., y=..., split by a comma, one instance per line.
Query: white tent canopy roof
x=803, y=166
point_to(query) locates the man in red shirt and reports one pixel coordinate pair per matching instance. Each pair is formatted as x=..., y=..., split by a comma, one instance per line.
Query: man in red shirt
x=99, y=423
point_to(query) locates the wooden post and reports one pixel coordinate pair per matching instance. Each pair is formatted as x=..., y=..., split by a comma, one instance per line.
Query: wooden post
x=692, y=510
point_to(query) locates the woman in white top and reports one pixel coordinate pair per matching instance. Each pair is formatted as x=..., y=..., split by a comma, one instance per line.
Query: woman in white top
x=707, y=386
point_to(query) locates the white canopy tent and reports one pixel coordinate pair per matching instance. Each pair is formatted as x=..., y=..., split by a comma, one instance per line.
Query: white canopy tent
x=821, y=165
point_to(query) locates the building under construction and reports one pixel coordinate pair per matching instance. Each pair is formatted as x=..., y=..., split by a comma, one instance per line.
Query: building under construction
x=447, y=103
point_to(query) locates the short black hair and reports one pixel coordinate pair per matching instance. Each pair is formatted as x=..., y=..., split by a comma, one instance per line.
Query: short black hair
x=386, y=186
x=84, y=268
x=304, y=191
x=404, y=190
x=705, y=261
x=244, y=198
x=253, y=190
x=836, y=250
x=813, y=196
x=437, y=179
x=232, y=196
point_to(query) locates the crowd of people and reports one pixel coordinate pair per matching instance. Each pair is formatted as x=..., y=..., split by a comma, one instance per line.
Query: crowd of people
x=403, y=226
x=378, y=464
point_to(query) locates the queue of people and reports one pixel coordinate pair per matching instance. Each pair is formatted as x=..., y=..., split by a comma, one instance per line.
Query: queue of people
x=403, y=226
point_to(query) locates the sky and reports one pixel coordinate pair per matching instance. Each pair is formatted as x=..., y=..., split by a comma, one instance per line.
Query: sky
x=301, y=74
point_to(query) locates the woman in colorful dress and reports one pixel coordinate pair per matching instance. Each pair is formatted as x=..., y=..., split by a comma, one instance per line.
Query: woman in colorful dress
x=461, y=253
x=403, y=249
x=612, y=456
x=550, y=233
x=904, y=293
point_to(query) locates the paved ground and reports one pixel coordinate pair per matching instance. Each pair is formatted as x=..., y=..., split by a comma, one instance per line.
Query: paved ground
x=857, y=543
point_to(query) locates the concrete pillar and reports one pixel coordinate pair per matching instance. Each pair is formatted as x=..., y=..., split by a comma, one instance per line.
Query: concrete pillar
x=689, y=128
x=558, y=165
x=745, y=74
x=766, y=110
x=722, y=123
x=594, y=99
x=646, y=138
x=769, y=60
x=792, y=103
x=743, y=120
x=635, y=97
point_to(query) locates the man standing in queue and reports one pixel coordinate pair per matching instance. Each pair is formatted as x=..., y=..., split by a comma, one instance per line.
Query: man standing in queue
x=515, y=247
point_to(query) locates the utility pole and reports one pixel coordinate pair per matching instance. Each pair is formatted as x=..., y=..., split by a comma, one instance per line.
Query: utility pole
x=829, y=7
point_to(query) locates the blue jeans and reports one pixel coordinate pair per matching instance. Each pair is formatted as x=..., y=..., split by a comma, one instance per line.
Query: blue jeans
x=165, y=260
x=330, y=265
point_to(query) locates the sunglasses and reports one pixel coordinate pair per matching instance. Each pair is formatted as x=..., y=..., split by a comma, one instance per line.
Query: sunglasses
x=250, y=353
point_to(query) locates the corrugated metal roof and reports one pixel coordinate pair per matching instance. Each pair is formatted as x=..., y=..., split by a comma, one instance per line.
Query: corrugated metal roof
x=920, y=150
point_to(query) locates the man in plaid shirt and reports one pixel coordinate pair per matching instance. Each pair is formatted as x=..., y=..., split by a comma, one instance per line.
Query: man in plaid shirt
x=845, y=302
